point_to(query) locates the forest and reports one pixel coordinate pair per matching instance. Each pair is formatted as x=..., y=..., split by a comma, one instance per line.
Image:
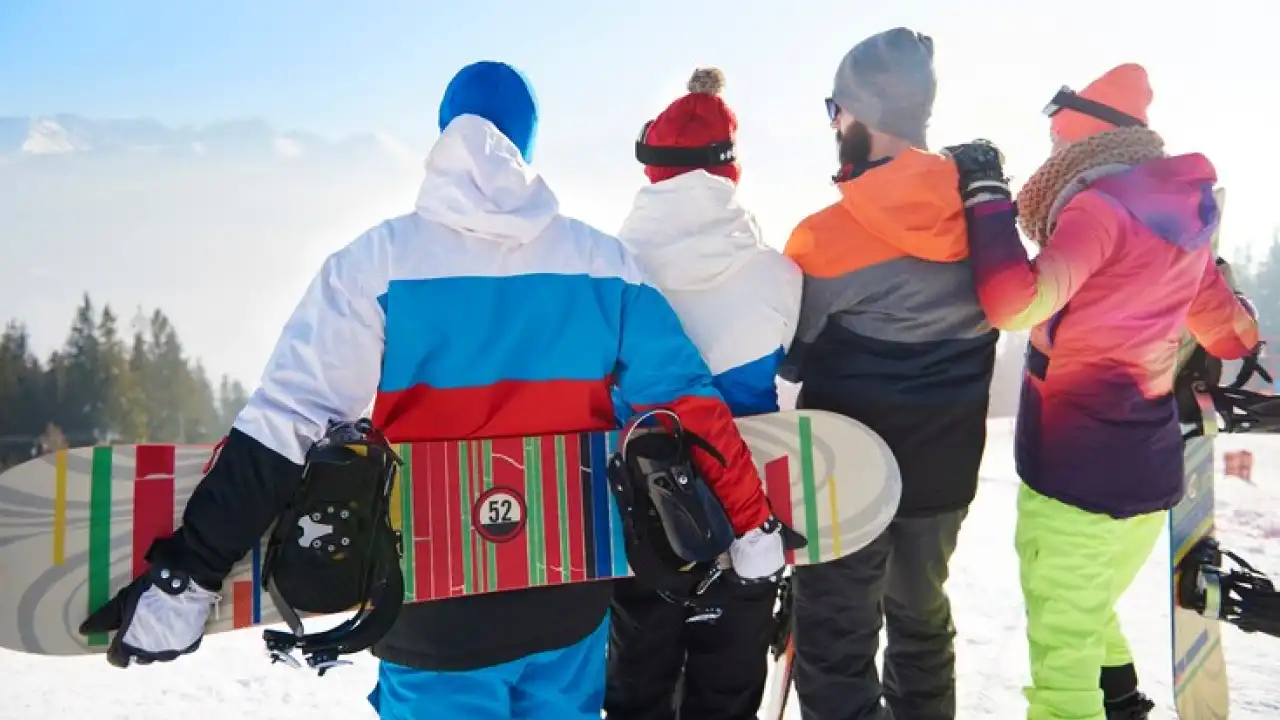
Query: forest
x=108, y=385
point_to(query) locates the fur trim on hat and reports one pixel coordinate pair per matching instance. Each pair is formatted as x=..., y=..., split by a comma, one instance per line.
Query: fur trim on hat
x=706, y=80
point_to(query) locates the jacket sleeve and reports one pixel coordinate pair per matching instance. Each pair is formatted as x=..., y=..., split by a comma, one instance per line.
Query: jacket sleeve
x=792, y=297
x=1218, y=320
x=1017, y=293
x=659, y=366
x=817, y=303
x=325, y=366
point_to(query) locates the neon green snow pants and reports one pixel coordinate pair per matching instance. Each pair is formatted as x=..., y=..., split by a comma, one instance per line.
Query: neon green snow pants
x=1075, y=565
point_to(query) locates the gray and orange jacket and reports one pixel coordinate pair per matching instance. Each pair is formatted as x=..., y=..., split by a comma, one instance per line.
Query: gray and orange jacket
x=890, y=330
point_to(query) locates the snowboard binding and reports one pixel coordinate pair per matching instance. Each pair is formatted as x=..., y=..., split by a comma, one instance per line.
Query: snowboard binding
x=1202, y=401
x=1241, y=596
x=334, y=550
x=676, y=532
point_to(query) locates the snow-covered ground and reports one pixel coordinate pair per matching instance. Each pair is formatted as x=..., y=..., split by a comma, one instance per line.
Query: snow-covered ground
x=229, y=677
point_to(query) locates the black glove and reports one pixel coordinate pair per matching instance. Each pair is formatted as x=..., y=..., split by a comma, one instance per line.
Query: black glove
x=158, y=617
x=981, y=167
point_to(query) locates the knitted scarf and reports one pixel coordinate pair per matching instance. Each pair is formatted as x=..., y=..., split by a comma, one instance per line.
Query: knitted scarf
x=1078, y=164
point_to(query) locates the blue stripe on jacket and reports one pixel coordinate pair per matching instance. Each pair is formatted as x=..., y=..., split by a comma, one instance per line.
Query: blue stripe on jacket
x=749, y=389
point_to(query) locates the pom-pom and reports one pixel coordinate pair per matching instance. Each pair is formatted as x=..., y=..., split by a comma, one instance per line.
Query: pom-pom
x=707, y=80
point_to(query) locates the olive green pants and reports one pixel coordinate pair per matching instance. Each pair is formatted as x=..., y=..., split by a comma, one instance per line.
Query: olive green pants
x=1075, y=565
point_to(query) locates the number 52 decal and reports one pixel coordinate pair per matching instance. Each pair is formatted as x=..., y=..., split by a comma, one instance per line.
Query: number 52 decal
x=499, y=514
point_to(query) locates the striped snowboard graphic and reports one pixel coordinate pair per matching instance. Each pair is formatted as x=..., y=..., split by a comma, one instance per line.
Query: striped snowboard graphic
x=476, y=516
x=506, y=514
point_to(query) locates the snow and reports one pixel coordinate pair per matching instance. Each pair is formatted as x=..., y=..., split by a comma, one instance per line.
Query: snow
x=49, y=138
x=287, y=147
x=229, y=677
x=29, y=137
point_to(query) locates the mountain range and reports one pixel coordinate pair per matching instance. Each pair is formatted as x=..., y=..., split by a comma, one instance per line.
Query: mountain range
x=222, y=225
x=67, y=134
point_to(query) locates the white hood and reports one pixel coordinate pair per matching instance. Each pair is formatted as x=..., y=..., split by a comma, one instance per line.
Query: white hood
x=478, y=183
x=690, y=232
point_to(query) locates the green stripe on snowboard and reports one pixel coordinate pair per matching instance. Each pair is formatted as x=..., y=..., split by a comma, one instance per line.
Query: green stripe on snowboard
x=100, y=536
x=464, y=501
x=810, y=489
x=562, y=489
x=406, y=522
x=487, y=450
x=538, y=537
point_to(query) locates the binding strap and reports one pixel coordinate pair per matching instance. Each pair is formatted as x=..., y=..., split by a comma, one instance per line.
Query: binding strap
x=1241, y=410
x=380, y=585
x=372, y=620
x=1242, y=596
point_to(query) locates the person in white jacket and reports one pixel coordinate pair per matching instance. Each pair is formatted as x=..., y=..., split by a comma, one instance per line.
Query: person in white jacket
x=739, y=301
x=428, y=314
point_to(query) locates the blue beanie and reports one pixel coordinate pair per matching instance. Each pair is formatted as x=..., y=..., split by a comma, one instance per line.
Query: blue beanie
x=498, y=93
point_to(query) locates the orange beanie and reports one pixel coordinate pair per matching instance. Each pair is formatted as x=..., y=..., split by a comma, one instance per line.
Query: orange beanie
x=1124, y=88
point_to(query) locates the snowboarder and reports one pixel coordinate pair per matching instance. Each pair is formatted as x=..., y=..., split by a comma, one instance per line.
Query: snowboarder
x=483, y=312
x=738, y=299
x=1125, y=264
x=890, y=334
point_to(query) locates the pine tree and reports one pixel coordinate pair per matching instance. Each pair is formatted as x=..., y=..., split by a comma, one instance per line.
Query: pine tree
x=231, y=400
x=21, y=395
x=139, y=370
x=82, y=413
x=1259, y=280
x=99, y=388
x=164, y=384
x=124, y=408
x=1265, y=289
x=200, y=410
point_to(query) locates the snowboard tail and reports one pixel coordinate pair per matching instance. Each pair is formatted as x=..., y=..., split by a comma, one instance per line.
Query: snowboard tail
x=1200, y=687
x=475, y=516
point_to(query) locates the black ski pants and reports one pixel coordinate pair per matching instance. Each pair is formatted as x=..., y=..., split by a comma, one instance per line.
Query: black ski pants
x=895, y=582
x=662, y=667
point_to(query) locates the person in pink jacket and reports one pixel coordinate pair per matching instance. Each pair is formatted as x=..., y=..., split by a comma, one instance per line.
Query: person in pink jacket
x=1125, y=266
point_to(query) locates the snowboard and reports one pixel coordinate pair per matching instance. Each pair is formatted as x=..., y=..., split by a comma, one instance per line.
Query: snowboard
x=1199, y=663
x=475, y=516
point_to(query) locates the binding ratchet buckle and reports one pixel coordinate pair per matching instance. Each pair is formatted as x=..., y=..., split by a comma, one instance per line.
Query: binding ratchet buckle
x=1241, y=596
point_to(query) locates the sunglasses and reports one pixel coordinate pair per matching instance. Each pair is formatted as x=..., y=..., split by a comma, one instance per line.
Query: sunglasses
x=833, y=110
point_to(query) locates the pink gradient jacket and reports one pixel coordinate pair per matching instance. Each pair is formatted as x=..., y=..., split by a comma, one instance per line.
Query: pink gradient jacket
x=1128, y=267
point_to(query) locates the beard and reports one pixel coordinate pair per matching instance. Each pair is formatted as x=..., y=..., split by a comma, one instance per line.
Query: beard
x=854, y=145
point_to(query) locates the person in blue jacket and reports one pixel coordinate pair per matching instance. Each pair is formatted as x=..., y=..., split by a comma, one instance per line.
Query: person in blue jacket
x=483, y=312
x=739, y=301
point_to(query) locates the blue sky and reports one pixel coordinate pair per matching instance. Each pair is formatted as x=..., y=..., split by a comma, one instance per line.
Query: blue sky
x=602, y=68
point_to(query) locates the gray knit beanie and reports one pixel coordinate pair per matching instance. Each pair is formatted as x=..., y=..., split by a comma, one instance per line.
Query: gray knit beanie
x=887, y=82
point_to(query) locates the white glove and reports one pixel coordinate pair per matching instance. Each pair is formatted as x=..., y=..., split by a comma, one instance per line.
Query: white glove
x=758, y=554
x=157, y=618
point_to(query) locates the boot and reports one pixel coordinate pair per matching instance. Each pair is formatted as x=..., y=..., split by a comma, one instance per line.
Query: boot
x=1135, y=707
x=1120, y=695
